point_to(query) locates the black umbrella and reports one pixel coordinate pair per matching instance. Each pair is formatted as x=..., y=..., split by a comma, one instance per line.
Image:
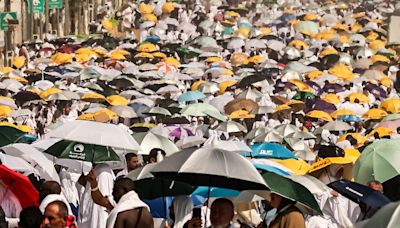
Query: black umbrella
x=24, y=96
x=247, y=81
x=326, y=151
x=360, y=193
x=376, y=90
x=332, y=88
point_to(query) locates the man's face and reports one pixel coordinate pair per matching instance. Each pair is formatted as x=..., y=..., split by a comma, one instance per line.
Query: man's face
x=118, y=192
x=221, y=215
x=133, y=163
x=52, y=218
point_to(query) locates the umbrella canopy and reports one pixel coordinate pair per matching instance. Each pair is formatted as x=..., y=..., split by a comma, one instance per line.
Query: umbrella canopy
x=386, y=217
x=149, y=187
x=149, y=141
x=240, y=104
x=124, y=111
x=9, y=135
x=191, y=96
x=231, y=127
x=378, y=161
x=270, y=150
x=336, y=126
x=20, y=186
x=359, y=193
x=95, y=133
x=65, y=149
x=286, y=187
x=218, y=168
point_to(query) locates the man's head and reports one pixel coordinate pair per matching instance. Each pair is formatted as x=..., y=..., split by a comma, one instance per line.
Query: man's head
x=121, y=187
x=153, y=154
x=222, y=212
x=30, y=217
x=47, y=188
x=55, y=215
x=132, y=161
x=376, y=185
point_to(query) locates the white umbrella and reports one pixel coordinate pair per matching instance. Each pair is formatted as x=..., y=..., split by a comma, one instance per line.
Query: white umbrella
x=236, y=43
x=230, y=145
x=231, y=127
x=90, y=132
x=255, y=44
x=271, y=136
x=8, y=102
x=124, y=111
x=190, y=141
x=286, y=129
x=17, y=164
x=149, y=141
x=35, y=158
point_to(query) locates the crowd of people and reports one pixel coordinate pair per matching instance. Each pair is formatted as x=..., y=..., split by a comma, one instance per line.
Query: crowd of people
x=206, y=114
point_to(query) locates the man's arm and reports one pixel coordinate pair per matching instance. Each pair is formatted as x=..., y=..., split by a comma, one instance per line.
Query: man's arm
x=97, y=197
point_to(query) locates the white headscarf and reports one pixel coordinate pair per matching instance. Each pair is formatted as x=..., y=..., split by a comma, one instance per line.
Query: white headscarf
x=183, y=207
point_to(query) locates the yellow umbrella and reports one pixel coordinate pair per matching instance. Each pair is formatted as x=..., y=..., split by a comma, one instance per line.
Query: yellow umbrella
x=82, y=58
x=168, y=7
x=108, y=112
x=341, y=27
x=358, y=15
x=356, y=27
x=298, y=166
x=224, y=85
x=93, y=95
x=282, y=107
x=122, y=52
x=241, y=114
x=150, y=17
x=380, y=58
x=327, y=162
x=317, y=114
x=329, y=51
x=100, y=51
x=159, y=55
x=213, y=59
x=148, y=125
x=372, y=36
x=238, y=58
x=377, y=44
x=352, y=154
x=301, y=85
x=144, y=55
x=19, y=79
x=19, y=61
x=196, y=84
x=86, y=116
x=61, y=58
x=299, y=44
x=382, y=132
x=331, y=98
x=172, y=61
x=232, y=14
x=310, y=17
x=386, y=81
x=314, y=74
x=146, y=47
x=375, y=114
x=244, y=32
x=357, y=136
x=44, y=94
x=117, y=56
x=342, y=71
x=107, y=24
x=5, y=111
x=6, y=70
x=362, y=98
x=342, y=112
x=265, y=31
x=326, y=35
x=256, y=59
x=116, y=100
x=84, y=50
x=145, y=8
x=391, y=105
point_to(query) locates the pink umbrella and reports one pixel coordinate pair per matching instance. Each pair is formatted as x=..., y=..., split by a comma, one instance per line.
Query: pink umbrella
x=179, y=132
x=394, y=124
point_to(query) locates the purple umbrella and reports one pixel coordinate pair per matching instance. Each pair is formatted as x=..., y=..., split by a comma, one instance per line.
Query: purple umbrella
x=375, y=90
x=179, y=132
x=324, y=106
x=315, y=86
x=332, y=88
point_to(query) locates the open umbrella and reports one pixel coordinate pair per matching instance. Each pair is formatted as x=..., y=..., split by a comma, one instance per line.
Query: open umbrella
x=270, y=150
x=386, y=217
x=149, y=187
x=360, y=193
x=95, y=133
x=218, y=168
x=149, y=141
x=9, y=135
x=20, y=186
x=191, y=96
x=65, y=149
x=231, y=127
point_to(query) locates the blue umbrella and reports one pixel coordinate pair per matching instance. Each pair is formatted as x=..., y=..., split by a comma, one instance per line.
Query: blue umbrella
x=153, y=39
x=270, y=150
x=270, y=169
x=191, y=96
x=215, y=192
x=350, y=118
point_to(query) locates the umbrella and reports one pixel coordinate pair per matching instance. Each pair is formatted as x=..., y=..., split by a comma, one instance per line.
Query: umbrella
x=350, y=118
x=20, y=186
x=335, y=126
x=391, y=105
x=271, y=136
x=394, y=124
x=307, y=27
x=286, y=129
x=202, y=109
x=149, y=141
x=124, y=111
x=317, y=114
x=65, y=149
x=283, y=185
x=179, y=132
x=231, y=127
x=17, y=164
x=191, y=96
x=190, y=141
x=378, y=161
x=297, y=166
x=359, y=193
x=207, y=192
x=240, y=104
x=218, y=168
x=34, y=157
x=95, y=133
x=149, y=187
x=158, y=111
x=386, y=217
x=270, y=150
x=391, y=117
x=9, y=135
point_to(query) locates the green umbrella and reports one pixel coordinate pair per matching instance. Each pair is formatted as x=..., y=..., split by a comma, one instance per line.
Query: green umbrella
x=149, y=187
x=307, y=26
x=84, y=152
x=379, y=161
x=9, y=135
x=202, y=109
x=292, y=190
x=187, y=51
x=303, y=96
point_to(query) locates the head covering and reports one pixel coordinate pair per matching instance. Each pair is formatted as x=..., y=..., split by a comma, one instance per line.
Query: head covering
x=183, y=207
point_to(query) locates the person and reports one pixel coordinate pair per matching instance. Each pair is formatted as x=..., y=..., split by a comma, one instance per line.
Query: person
x=30, y=217
x=50, y=191
x=90, y=213
x=156, y=155
x=288, y=215
x=55, y=215
x=132, y=163
x=376, y=185
x=180, y=211
x=221, y=216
